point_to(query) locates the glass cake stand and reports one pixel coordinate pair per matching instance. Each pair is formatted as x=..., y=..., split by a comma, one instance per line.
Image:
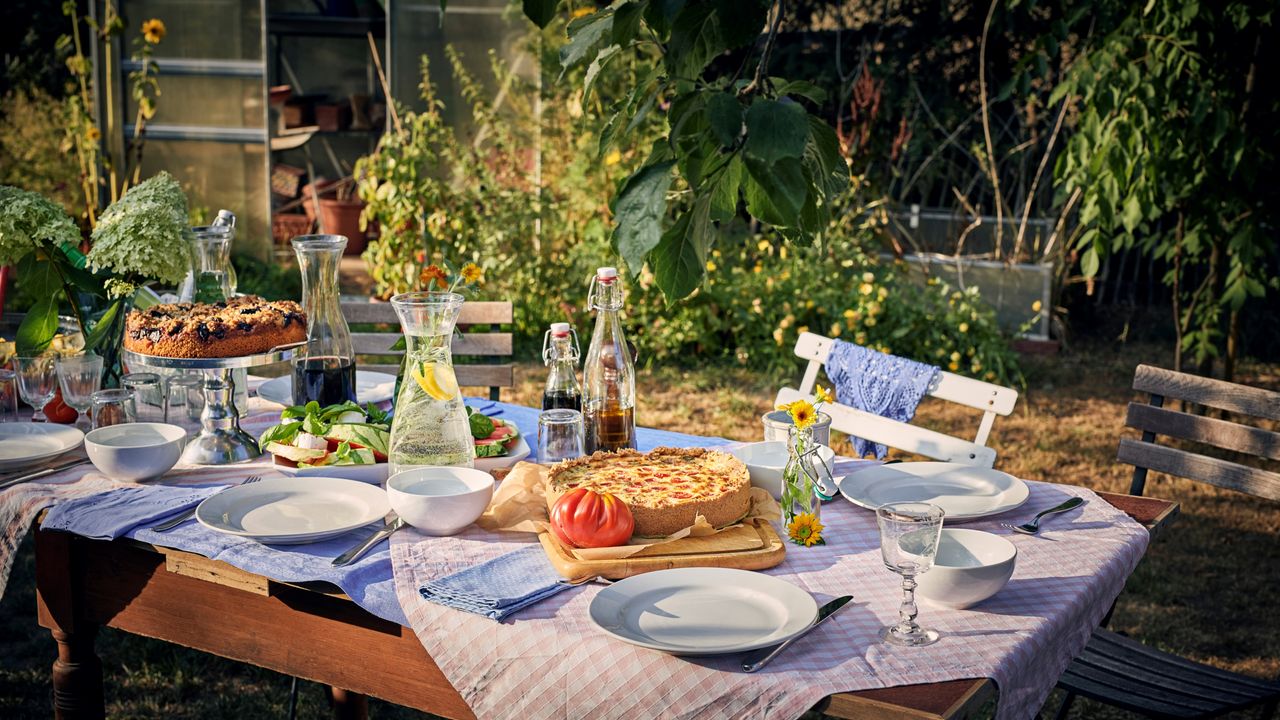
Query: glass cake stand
x=221, y=441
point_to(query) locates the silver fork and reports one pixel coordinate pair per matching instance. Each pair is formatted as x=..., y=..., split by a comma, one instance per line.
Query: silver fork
x=1033, y=527
x=186, y=515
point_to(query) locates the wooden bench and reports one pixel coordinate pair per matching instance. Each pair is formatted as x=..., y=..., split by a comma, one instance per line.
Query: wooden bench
x=480, y=336
x=991, y=399
x=1123, y=672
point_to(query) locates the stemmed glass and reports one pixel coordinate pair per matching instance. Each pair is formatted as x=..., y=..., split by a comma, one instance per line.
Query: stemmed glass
x=909, y=533
x=37, y=383
x=80, y=376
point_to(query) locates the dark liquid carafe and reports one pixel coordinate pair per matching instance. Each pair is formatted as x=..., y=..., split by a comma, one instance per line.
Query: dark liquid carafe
x=560, y=353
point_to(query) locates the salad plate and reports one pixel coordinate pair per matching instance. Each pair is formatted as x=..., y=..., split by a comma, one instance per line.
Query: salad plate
x=963, y=492
x=342, y=440
x=702, y=611
x=292, y=510
x=515, y=454
x=371, y=387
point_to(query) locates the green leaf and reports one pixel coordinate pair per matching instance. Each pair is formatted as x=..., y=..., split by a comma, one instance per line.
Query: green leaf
x=776, y=130
x=823, y=159
x=38, y=327
x=776, y=191
x=680, y=260
x=660, y=13
x=695, y=41
x=803, y=88
x=724, y=191
x=1131, y=215
x=724, y=113
x=593, y=71
x=638, y=213
x=626, y=22
x=100, y=329
x=1089, y=262
x=741, y=21
x=540, y=12
x=585, y=34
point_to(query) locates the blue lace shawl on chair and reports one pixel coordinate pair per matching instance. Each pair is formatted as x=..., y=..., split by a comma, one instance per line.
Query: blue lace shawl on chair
x=878, y=383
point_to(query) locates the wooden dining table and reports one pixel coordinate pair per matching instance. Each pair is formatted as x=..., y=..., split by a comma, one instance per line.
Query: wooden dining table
x=314, y=632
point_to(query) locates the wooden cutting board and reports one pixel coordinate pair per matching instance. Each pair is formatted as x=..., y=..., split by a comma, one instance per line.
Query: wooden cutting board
x=754, y=545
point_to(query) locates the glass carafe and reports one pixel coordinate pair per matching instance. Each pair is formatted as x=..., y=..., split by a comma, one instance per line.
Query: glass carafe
x=209, y=279
x=608, y=377
x=430, y=425
x=324, y=370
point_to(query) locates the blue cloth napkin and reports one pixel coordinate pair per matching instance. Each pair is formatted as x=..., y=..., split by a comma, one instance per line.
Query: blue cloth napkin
x=112, y=514
x=500, y=587
x=878, y=383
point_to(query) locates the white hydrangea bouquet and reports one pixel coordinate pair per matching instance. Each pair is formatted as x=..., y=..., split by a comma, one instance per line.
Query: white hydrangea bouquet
x=142, y=237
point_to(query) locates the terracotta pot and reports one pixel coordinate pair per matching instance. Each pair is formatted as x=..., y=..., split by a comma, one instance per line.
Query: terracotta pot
x=342, y=217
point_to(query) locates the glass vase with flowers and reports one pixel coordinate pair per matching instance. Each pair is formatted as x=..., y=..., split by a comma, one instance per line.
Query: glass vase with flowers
x=807, y=478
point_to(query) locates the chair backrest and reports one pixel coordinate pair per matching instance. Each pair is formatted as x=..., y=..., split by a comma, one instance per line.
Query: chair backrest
x=479, y=324
x=1154, y=419
x=991, y=399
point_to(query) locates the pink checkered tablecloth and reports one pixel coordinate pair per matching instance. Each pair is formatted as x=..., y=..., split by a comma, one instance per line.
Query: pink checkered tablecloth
x=550, y=662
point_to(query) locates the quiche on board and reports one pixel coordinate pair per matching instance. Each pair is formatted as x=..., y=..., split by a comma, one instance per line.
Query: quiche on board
x=666, y=489
x=245, y=325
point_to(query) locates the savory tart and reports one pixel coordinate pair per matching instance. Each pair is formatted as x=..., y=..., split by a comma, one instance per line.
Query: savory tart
x=245, y=325
x=666, y=489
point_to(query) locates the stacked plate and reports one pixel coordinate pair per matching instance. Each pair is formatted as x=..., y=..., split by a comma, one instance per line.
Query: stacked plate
x=23, y=444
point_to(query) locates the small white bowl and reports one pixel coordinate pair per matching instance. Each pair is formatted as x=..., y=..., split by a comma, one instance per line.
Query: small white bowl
x=135, y=451
x=440, y=500
x=970, y=567
x=766, y=461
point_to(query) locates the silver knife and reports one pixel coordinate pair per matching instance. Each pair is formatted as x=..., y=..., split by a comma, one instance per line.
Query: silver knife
x=755, y=661
x=358, y=551
x=41, y=473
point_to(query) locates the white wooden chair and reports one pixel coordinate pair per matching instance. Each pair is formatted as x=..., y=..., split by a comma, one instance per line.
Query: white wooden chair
x=991, y=399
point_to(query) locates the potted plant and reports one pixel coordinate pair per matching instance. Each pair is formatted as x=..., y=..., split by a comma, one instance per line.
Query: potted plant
x=141, y=237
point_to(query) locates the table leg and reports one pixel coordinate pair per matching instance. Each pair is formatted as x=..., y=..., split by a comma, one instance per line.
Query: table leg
x=77, y=677
x=348, y=705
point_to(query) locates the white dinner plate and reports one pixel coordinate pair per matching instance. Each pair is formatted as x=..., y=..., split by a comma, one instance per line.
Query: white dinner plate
x=371, y=387
x=703, y=611
x=293, y=510
x=25, y=443
x=963, y=492
x=513, y=456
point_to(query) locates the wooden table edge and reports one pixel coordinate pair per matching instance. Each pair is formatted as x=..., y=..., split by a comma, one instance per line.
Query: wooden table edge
x=949, y=700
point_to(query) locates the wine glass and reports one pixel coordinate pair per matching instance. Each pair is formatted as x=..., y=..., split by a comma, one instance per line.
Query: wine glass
x=37, y=383
x=909, y=533
x=80, y=376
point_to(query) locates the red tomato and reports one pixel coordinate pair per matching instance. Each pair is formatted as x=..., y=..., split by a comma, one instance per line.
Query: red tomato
x=59, y=412
x=588, y=519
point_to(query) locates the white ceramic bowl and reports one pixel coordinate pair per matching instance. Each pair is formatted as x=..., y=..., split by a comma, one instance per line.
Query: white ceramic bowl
x=135, y=451
x=970, y=567
x=766, y=461
x=440, y=500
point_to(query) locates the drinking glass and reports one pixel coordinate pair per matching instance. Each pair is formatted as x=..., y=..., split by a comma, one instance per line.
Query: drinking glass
x=8, y=396
x=147, y=398
x=909, y=533
x=112, y=407
x=560, y=436
x=37, y=383
x=184, y=399
x=80, y=376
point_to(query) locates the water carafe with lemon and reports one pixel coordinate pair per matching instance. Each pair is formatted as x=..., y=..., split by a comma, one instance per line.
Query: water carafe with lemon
x=430, y=426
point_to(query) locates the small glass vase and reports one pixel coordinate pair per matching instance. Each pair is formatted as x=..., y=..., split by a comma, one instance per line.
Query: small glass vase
x=799, y=494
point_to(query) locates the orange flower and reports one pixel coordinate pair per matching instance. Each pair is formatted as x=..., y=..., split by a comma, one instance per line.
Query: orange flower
x=153, y=31
x=433, y=274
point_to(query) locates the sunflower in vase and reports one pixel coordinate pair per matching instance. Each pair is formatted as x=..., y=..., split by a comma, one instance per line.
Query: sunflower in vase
x=801, y=497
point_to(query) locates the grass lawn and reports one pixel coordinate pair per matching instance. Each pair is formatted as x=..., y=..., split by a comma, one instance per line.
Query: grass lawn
x=1207, y=588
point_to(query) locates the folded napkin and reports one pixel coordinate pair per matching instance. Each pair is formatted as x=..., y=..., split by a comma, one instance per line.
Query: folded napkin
x=878, y=383
x=112, y=514
x=500, y=587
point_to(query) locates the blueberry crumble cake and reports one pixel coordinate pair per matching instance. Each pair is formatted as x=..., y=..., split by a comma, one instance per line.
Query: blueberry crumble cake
x=246, y=325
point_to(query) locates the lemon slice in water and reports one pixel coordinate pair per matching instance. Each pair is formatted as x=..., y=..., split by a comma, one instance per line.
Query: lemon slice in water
x=437, y=380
